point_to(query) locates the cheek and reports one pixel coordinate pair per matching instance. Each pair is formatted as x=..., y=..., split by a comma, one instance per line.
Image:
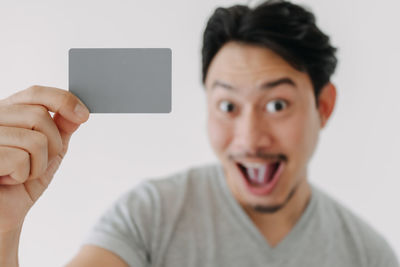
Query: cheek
x=298, y=133
x=219, y=133
x=303, y=135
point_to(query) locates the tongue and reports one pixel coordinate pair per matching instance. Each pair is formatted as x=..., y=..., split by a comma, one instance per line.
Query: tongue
x=261, y=175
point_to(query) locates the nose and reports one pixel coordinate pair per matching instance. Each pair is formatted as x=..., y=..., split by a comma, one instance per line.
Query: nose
x=253, y=133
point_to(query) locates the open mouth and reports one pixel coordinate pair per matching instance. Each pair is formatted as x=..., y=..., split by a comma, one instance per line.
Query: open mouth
x=261, y=178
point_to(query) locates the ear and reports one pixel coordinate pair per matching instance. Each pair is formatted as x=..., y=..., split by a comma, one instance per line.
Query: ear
x=326, y=102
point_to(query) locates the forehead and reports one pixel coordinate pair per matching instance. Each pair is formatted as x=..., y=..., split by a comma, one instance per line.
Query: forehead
x=247, y=65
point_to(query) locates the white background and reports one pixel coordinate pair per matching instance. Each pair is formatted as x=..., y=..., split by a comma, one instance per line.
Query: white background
x=357, y=160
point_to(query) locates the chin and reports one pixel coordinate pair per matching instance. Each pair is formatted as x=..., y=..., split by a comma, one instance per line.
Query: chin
x=274, y=203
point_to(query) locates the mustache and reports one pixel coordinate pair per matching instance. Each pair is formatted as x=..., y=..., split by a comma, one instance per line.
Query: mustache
x=258, y=155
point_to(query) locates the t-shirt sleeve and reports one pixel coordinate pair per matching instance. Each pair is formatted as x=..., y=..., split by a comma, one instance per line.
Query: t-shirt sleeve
x=377, y=250
x=126, y=227
x=382, y=255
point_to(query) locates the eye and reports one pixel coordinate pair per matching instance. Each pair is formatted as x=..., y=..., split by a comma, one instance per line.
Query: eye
x=226, y=106
x=276, y=105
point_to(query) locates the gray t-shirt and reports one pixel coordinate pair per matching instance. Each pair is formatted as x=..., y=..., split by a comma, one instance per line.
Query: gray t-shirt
x=192, y=219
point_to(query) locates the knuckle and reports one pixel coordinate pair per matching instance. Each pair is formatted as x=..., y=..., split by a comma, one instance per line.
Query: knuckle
x=39, y=141
x=55, y=146
x=33, y=90
x=24, y=168
x=23, y=160
x=39, y=112
x=21, y=165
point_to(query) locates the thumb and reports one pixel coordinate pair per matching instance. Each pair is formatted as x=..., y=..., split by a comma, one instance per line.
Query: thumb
x=66, y=128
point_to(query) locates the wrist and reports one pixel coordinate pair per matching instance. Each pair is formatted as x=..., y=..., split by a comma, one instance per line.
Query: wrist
x=9, y=242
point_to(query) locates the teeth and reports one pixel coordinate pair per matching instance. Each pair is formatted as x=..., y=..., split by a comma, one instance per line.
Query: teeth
x=252, y=173
x=261, y=173
x=257, y=174
x=256, y=171
x=253, y=165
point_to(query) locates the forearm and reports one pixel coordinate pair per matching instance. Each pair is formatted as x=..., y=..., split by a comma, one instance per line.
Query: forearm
x=9, y=242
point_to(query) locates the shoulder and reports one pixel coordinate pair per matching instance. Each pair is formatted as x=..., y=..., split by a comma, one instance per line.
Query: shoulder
x=170, y=190
x=356, y=232
x=151, y=208
x=198, y=174
x=193, y=178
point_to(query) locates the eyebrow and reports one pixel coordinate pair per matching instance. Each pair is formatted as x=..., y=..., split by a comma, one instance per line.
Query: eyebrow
x=266, y=85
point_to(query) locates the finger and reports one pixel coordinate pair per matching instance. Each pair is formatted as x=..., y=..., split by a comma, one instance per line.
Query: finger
x=36, y=187
x=55, y=100
x=66, y=128
x=33, y=142
x=33, y=117
x=15, y=165
x=8, y=180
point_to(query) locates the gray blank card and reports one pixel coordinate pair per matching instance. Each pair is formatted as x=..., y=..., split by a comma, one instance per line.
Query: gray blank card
x=121, y=80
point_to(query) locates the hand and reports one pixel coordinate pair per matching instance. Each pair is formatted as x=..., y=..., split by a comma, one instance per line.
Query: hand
x=32, y=146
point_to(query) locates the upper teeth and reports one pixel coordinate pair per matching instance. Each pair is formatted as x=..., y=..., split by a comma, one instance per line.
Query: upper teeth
x=253, y=165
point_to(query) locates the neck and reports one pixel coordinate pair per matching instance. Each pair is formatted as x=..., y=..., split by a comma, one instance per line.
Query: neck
x=275, y=226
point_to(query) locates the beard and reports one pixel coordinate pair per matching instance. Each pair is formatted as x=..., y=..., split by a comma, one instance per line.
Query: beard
x=275, y=208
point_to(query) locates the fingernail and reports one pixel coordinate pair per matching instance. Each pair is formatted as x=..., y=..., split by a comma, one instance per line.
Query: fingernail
x=80, y=110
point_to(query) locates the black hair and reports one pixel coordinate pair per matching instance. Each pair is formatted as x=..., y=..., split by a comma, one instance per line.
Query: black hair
x=286, y=28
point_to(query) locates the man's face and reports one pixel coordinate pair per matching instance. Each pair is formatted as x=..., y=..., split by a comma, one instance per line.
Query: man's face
x=263, y=123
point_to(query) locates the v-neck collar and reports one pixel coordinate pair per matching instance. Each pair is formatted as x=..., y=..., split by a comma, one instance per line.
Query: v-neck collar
x=290, y=243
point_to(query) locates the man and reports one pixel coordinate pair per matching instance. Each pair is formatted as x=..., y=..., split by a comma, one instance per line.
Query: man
x=267, y=77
